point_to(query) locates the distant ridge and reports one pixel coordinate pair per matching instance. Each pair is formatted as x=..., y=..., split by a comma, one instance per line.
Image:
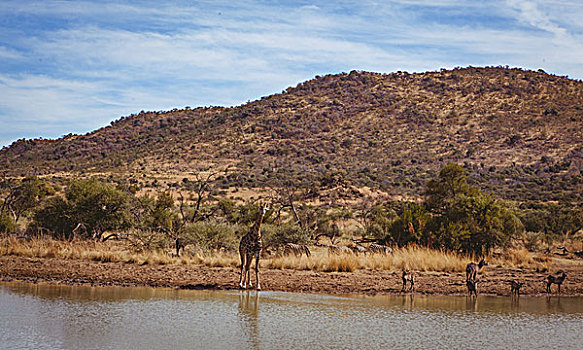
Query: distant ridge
x=519, y=133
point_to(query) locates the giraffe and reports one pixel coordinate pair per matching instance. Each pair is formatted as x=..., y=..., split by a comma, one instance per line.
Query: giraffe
x=250, y=247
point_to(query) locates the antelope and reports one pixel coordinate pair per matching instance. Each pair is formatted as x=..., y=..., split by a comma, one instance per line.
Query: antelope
x=472, y=269
x=558, y=280
x=472, y=287
x=296, y=249
x=179, y=244
x=380, y=249
x=515, y=288
x=408, y=276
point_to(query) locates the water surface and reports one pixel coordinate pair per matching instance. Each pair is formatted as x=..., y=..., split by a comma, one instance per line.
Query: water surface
x=63, y=317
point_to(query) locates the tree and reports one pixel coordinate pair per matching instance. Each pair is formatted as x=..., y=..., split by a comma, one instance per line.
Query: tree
x=24, y=196
x=96, y=205
x=201, y=189
x=409, y=226
x=553, y=220
x=442, y=192
x=377, y=221
x=57, y=215
x=464, y=218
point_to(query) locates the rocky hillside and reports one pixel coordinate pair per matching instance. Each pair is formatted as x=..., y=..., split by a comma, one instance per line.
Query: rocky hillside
x=519, y=133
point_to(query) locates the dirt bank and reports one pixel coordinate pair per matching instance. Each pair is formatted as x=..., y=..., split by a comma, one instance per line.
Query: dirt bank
x=493, y=281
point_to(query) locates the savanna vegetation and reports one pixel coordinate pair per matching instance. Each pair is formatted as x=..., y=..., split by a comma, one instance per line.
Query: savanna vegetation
x=469, y=161
x=453, y=222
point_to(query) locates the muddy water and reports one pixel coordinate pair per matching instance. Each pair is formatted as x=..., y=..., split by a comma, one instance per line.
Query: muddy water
x=55, y=317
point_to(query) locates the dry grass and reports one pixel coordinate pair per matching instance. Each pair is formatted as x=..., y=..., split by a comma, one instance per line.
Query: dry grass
x=218, y=259
x=522, y=258
x=89, y=250
x=412, y=258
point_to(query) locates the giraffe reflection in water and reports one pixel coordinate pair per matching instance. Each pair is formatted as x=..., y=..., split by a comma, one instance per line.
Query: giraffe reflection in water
x=249, y=315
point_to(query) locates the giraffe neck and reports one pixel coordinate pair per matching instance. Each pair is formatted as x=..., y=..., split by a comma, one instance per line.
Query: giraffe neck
x=255, y=230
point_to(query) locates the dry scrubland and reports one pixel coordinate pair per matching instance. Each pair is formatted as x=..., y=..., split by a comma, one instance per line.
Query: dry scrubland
x=413, y=258
x=519, y=132
x=118, y=264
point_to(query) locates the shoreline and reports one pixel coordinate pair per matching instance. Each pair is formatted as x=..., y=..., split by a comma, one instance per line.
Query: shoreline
x=494, y=281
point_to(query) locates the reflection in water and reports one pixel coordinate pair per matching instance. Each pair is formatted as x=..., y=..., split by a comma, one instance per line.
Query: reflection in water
x=472, y=303
x=54, y=317
x=249, y=312
x=408, y=302
x=554, y=304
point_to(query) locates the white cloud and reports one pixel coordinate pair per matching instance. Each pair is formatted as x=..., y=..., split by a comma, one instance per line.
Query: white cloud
x=114, y=59
x=530, y=13
x=9, y=54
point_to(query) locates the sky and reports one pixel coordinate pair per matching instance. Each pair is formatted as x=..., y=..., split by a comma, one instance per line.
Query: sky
x=75, y=66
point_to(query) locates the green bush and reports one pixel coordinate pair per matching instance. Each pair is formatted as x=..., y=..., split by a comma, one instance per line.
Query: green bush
x=378, y=221
x=97, y=205
x=6, y=223
x=57, y=215
x=276, y=236
x=211, y=235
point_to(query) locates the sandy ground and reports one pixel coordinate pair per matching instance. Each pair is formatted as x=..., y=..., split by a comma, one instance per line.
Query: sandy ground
x=493, y=280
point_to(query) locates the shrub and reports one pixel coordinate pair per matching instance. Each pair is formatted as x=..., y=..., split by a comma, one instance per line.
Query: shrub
x=212, y=235
x=275, y=236
x=97, y=205
x=146, y=240
x=6, y=223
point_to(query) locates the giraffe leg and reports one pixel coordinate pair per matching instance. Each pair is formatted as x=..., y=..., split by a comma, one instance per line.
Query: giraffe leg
x=257, y=271
x=242, y=277
x=248, y=269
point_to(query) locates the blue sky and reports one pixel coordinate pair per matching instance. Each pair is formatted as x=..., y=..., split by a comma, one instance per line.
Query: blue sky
x=74, y=66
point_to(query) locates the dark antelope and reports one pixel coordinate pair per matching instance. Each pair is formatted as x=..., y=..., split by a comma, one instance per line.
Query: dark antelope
x=179, y=244
x=472, y=269
x=515, y=288
x=296, y=249
x=408, y=276
x=556, y=279
x=472, y=287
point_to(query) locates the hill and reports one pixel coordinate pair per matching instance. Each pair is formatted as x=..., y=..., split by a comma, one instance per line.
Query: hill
x=518, y=133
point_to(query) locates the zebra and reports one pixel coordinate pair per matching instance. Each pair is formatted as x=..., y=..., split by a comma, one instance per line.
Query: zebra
x=357, y=249
x=379, y=249
x=338, y=249
x=296, y=249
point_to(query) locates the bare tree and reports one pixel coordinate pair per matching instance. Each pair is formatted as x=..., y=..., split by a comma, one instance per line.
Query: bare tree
x=201, y=188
